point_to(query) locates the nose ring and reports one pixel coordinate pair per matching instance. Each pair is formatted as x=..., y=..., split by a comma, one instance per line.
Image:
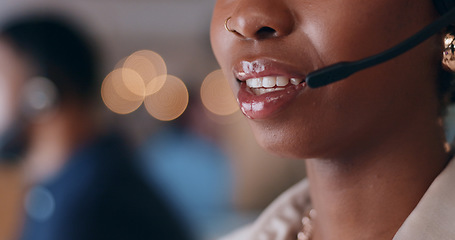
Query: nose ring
x=226, y=25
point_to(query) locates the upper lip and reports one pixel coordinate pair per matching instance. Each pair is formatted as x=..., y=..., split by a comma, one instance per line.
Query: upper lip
x=264, y=67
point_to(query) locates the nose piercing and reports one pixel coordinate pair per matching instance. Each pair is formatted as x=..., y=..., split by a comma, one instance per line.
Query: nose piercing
x=226, y=25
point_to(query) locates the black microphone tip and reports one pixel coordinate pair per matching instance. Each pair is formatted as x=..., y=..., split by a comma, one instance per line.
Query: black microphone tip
x=330, y=74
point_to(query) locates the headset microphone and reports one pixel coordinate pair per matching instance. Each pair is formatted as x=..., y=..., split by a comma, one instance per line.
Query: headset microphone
x=342, y=70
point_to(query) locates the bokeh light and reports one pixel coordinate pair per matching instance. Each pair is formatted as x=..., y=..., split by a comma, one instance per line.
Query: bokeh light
x=217, y=96
x=120, y=97
x=141, y=74
x=170, y=101
x=149, y=65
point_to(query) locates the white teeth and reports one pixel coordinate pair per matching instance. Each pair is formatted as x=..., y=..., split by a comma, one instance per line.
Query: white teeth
x=296, y=81
x=254, y=82
x=282, y=81
x=260, y=91
x=274, y=89
x=269, y=82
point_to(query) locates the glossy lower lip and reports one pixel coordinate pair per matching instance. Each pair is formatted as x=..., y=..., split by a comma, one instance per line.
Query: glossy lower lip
x=266, y=105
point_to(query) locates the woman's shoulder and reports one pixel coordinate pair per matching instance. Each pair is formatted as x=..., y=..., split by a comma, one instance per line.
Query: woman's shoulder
x=281, y=219
x=434, y=215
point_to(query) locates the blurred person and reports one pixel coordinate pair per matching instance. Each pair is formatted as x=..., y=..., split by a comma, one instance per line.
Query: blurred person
x=83, y=180
x=186, y=161
x=378, y=163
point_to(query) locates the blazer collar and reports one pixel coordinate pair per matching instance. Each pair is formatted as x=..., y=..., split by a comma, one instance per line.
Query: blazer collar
x=434, y=216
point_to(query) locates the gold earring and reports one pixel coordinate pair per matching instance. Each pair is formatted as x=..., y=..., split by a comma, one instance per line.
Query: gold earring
x=226, y=25
x=448, y=56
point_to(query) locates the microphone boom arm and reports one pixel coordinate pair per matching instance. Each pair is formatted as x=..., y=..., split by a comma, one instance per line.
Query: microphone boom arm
x=342, y=70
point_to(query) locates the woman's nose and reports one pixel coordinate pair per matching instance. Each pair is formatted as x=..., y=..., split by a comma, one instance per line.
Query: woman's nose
x=261, y=19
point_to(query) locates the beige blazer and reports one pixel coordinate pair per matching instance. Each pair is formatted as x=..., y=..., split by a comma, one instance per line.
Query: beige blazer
x=432, y=219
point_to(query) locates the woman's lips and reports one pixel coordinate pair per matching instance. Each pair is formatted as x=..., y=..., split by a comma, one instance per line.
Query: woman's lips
x=265, y=105
x=266, y=87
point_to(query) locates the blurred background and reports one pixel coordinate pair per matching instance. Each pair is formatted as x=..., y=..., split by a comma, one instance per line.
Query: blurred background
x=194, y=162
x=160, y=87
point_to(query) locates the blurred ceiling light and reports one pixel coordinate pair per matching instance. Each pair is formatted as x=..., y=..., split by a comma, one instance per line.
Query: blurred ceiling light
x=149, y=65
x=123, y=91
x=170, y=101
x=217, y=96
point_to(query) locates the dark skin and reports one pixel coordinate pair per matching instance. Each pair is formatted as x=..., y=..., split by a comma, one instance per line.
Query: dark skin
x=373, y=142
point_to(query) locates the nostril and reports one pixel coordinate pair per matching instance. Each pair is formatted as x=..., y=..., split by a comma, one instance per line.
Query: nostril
x=266, y=32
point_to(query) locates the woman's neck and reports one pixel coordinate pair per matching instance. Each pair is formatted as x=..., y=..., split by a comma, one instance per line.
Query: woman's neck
x=369, y=195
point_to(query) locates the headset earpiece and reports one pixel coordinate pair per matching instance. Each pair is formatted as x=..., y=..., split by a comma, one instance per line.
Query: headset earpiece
x=39, y=95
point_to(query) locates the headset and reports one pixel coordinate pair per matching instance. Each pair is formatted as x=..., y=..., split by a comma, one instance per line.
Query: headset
x=61, y=62
x=342, y=70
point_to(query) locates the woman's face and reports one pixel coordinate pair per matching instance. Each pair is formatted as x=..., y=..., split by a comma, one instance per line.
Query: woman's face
x=12, y=76
x=278, y=42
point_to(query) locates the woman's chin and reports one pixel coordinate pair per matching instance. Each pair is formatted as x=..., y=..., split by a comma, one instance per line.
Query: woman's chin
x=281, y=144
